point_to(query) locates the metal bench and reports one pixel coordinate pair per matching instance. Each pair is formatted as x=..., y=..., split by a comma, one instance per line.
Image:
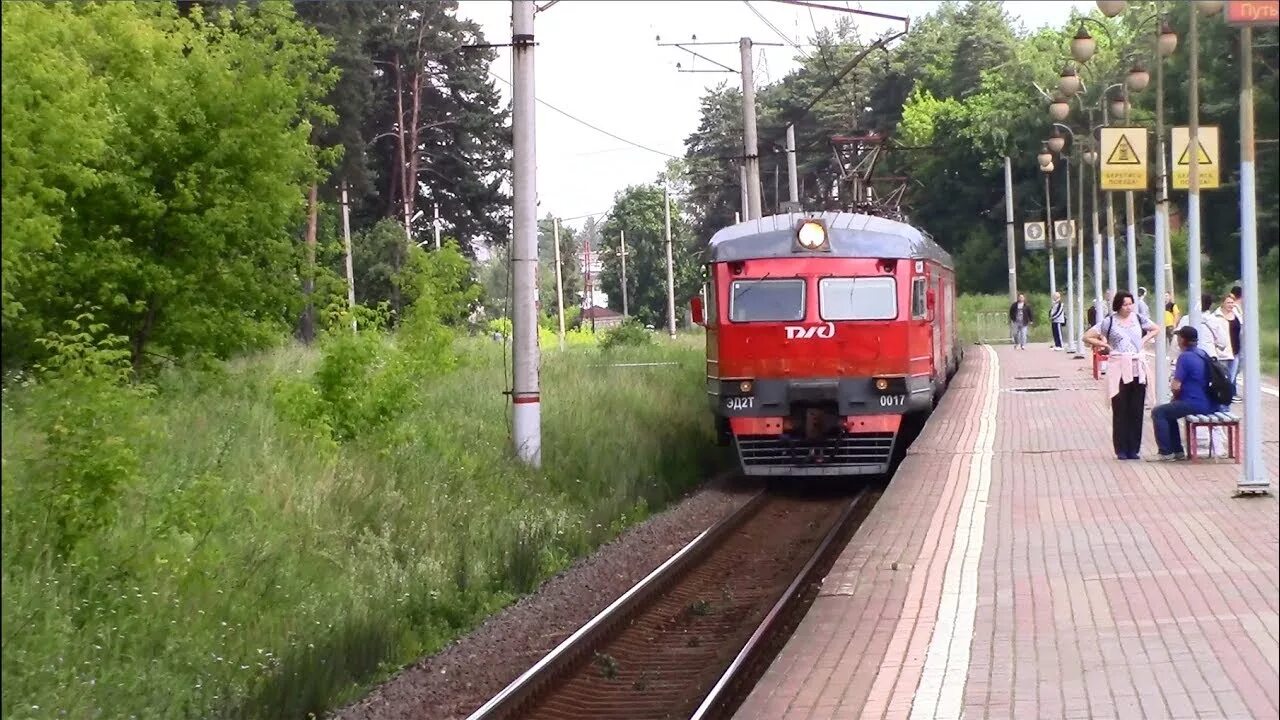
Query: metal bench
x=1210, y=421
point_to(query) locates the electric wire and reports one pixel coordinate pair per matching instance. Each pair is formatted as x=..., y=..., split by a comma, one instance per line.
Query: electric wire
x=584, y=122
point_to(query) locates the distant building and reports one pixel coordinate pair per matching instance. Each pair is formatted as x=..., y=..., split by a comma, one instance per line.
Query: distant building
x=592, y=292
x=604, y=318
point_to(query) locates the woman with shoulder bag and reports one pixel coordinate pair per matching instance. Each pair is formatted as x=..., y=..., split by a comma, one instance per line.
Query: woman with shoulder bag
x=1121, y=336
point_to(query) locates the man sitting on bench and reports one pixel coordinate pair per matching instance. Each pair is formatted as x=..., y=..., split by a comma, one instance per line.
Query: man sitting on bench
x=1191, y=395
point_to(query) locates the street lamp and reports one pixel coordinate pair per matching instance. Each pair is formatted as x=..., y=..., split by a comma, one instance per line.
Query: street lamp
x=1090, y=157
x=1168, y=40
x=1111, y=8
x=1059, y=109
x=1056, y=142
x=1045, y=158
x=1119, y=108
x=1138, y=77
x=1069, y=81
x=1083, y=45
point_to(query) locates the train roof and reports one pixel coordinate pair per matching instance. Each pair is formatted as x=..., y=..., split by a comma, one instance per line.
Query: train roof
x=850, y=235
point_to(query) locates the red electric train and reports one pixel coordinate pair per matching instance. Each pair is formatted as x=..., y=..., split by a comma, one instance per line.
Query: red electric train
x=824, y=331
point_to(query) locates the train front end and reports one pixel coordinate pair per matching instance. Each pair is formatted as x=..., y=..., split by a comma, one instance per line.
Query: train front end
x=818, y=343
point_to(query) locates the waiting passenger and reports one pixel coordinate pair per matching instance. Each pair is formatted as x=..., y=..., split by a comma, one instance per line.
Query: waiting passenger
x=1121, y=336
x=1020, y=318
x=1191, y=395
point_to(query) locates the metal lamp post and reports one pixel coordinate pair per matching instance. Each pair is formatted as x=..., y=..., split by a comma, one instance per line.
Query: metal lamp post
x=1056, y=143
x=1046, y=166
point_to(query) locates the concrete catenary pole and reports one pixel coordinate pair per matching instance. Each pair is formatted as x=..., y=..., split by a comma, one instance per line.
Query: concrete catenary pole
x=622, y=255
x=526, y=417
x=559, y=282
x=745, y=213
x=1048, y=223
x=793, y=178
x=1078, y=236
x=1162, y=260
x=749, y=144
x=1254, y=473
x=1008, y=230
x=1193, y=179
x=1099, y=290
x=1131, y=242
x=671, y=282
x=346, y=242
x=1069, y=307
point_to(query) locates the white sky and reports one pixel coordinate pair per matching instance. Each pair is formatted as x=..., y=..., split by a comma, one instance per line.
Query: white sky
x=599, y=61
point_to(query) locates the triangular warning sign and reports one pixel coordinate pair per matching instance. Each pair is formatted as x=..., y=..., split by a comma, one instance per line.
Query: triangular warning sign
x=1186, y=155
x=1123, y=154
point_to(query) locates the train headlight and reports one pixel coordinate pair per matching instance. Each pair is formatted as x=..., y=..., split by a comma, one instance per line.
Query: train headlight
x=745, y=386
x=811, y=235
x=882, y=384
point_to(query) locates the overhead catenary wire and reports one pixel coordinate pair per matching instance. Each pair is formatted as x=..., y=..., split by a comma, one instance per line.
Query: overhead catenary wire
x=587, y=124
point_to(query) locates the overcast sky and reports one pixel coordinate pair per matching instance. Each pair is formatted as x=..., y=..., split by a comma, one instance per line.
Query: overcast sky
x=599, y=61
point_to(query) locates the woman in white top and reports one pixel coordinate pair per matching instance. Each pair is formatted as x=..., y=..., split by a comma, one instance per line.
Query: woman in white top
x=1122, y=336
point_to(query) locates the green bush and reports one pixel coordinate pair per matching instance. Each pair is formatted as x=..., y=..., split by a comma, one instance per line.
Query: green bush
x=631, y=333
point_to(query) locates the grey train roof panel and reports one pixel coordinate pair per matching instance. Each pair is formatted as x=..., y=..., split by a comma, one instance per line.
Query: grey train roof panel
x=851, y=235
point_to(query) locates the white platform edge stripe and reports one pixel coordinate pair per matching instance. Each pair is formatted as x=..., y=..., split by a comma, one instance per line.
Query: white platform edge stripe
x=940, y=693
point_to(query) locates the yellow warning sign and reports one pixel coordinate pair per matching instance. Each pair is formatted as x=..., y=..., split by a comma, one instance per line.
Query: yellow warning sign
x=1124, y=150
x=1207, y=158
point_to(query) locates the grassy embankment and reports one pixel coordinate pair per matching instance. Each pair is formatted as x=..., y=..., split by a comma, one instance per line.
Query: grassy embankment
x=253, y=568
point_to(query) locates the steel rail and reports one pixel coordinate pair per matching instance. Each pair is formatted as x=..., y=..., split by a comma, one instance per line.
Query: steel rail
x=720, y=691
x=523, y=688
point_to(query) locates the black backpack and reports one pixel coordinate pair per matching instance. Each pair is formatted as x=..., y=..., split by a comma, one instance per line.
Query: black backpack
x=1221, y=389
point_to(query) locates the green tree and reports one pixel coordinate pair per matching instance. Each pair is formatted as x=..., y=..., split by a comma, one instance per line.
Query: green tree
x=637, y=211
x=191, y=178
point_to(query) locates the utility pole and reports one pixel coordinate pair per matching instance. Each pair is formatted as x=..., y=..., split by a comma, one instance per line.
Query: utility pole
x=1008, y=229
x=671, y=283
x=526, y=417
x=1162, y=230
x=591, y=293
x=1071, y=283
x=1048, y=223
x=435, y=223
x=1131, y=242
x=1193, y=179
x=559, y=282
x=1254, y=472
x=793, y=177
x=622, y=254
x=750, y=150
x=346, y=240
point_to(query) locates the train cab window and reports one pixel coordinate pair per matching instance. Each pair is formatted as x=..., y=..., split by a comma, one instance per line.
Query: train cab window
x=863, y=298
x=766, y=300
x=919, y=309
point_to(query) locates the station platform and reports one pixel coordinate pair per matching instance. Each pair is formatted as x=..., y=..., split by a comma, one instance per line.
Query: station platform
x=1015, y=568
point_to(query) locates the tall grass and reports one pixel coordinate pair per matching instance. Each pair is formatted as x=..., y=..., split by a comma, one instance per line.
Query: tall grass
x=982, y=318
x=1269, y=321
x=258, y=569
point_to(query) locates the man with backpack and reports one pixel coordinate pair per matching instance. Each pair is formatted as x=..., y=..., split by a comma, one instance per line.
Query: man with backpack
x=1199, y=385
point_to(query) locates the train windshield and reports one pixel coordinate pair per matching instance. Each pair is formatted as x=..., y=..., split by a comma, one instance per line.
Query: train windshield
x=862, y=298
x=766, y=300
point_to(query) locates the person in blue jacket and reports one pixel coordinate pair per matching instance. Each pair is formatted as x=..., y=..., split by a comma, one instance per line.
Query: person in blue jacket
x=1190, y=391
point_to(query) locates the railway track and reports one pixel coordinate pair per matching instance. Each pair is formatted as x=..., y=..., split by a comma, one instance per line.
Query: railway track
x=688, y=639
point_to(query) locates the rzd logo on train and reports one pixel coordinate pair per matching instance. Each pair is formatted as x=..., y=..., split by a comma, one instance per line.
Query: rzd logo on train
x=799, y=332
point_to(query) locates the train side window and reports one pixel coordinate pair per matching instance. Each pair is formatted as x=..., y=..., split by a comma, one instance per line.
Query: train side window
x=862, y=298
x=766, y=300
x=919, y=310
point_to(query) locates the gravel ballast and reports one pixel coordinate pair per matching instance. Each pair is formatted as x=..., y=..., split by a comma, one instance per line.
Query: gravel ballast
x=460, y=678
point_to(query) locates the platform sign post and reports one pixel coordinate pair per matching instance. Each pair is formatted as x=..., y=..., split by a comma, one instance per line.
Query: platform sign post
x=1124, y=158
x=1208, y=162
x=1033, y=235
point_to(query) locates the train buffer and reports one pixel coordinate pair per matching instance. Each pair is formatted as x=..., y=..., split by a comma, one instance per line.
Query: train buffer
x=1015, y=568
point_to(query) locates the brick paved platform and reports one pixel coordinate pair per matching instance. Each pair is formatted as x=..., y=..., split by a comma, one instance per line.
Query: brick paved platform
x=1015, y=568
